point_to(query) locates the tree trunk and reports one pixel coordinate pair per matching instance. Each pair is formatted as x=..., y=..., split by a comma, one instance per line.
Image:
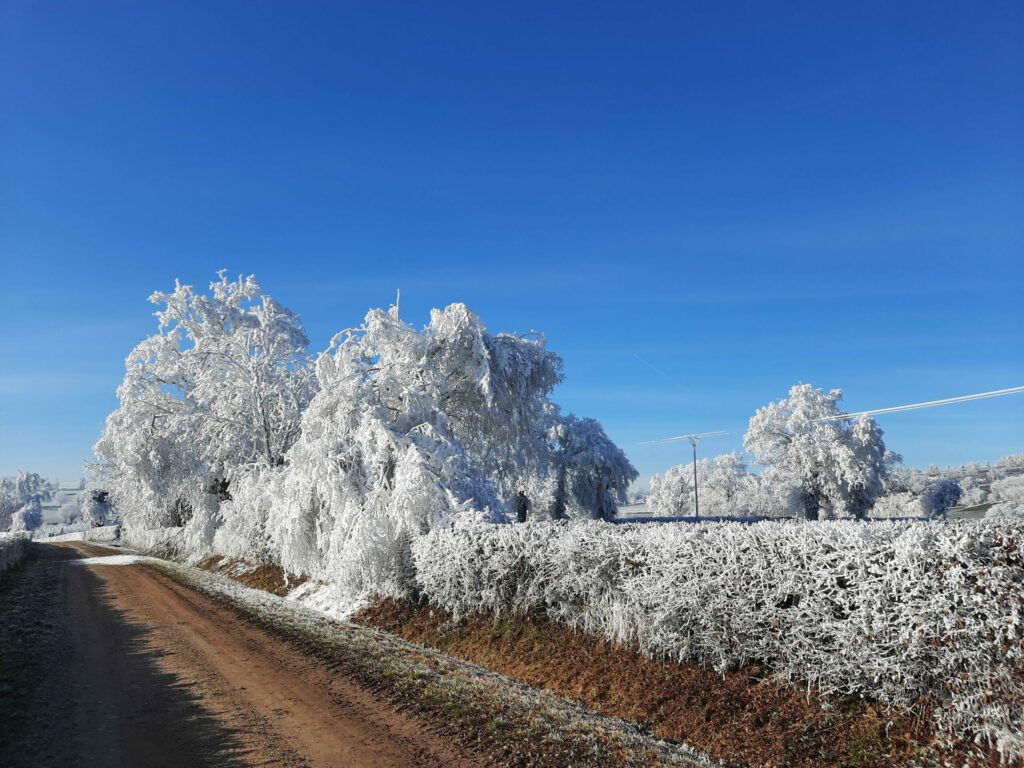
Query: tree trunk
x=522, y=507
x=558, y=509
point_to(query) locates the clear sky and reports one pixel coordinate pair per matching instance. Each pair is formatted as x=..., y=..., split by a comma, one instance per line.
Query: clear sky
x=700, y=204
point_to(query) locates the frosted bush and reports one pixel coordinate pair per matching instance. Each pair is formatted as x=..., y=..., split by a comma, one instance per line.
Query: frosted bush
x=898, y=505
x=893, y=611
x=1005, y=510
x=29, y=517
x=1009, y=489
x=13, y=548
x=28, y=489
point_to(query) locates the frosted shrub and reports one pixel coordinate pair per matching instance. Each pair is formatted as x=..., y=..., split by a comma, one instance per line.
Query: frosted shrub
x=940, y=497
x=13, y=547
x=894, y=611
x=898, y=505
x=22, y=494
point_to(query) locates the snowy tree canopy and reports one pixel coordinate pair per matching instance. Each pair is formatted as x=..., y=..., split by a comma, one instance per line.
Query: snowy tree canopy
x=412, y=429
x=940, y=497
x=16, y=492
x=591, y=472
x=221, y=385
x=29, y=516
x=226, y=430
x=838, y=463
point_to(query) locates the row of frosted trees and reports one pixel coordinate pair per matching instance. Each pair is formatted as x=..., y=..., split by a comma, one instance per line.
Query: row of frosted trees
x=817, y=462
x=230, y=431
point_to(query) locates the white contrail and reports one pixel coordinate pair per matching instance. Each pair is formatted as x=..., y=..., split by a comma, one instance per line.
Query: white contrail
x=654, y=368
x=894, y=409
x=929, y=404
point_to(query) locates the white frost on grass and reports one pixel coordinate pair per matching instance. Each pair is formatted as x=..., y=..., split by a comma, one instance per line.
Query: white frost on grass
x=322, y=597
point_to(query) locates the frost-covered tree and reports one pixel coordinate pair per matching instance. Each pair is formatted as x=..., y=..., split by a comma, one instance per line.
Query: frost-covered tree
x=29, y=516
x=771, y=493
x=1008, y=495
x=591, y=472
x=408, y=429
x=723, y=483
x=95, y=507
x=219, y=388
x=16, y=492
x=671, y=494
x=412, y=430
x=942, y=495
x=726, y=488
x=839, y=463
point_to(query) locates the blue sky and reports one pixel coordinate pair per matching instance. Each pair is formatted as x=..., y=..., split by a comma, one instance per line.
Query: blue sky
x=743, y=195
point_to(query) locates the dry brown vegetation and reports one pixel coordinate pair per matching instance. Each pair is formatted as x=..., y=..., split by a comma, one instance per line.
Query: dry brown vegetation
x=739, y=717
x=269, y=578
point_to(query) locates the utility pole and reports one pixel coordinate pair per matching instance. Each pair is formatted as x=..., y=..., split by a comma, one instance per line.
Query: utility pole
x=693, y=441
x=696, y=504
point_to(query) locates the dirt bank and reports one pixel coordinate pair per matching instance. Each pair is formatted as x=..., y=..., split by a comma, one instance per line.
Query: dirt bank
x=740, y=717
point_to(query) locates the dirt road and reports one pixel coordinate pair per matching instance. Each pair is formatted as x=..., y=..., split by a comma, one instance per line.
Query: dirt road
x=117, y=665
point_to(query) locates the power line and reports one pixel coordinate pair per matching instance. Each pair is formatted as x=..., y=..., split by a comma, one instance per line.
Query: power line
x=678, y=438
x=928, y=404
x=873, y=411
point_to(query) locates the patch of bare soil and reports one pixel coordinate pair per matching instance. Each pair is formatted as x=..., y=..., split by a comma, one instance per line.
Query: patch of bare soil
x=739, y=717
x=269, y=578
